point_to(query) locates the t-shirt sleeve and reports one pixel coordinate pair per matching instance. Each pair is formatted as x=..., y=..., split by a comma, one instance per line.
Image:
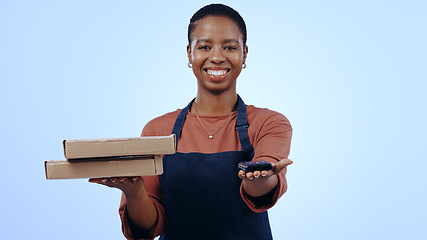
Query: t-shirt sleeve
x=272, y=142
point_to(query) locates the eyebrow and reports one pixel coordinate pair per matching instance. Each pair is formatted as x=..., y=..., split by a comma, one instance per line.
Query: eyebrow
x=203, y=40
x=209, y=41
x=231, y=40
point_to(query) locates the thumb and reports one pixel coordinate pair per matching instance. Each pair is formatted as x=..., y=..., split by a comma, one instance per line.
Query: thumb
x=281, y=164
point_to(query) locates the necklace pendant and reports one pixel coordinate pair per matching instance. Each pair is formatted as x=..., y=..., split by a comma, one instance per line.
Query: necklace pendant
x=210, y=137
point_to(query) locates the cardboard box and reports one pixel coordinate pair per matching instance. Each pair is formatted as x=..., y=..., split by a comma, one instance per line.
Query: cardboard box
x=108, y=167
x=113, y=147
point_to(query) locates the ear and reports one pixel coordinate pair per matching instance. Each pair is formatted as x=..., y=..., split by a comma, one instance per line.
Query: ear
x=245, y=53
x=189, y=53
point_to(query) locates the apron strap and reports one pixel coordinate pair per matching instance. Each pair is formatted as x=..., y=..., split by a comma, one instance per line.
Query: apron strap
x=180, y=121
x=241, y=127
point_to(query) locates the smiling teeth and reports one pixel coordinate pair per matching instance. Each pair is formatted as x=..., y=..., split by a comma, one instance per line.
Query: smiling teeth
x=217, y=72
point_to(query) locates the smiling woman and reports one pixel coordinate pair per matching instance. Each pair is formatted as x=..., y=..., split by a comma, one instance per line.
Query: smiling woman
x=202, y=194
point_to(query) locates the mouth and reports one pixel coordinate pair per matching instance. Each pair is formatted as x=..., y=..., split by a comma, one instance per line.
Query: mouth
x=217, y=73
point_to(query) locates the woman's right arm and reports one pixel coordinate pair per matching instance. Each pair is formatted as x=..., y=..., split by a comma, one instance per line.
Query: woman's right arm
x=140, y=208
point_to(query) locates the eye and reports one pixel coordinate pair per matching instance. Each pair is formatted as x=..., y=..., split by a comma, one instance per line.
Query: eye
x=230, y=47
x=204, y=47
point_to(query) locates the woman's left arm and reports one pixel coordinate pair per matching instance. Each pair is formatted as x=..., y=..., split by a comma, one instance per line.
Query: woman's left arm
x=271, y=139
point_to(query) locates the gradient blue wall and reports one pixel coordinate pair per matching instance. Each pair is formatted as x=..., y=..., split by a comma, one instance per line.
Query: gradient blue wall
x=349, y=75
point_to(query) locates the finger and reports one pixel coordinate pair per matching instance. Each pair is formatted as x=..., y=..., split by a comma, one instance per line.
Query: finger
x=257, y=174
x=94, y=180
x=136, y=179
x=250, y=175
x=266, y=173
x=281, y=164
x=113, y=179
x=102, y=181
x=98, y=180
x=242, y=174
x=122, y=179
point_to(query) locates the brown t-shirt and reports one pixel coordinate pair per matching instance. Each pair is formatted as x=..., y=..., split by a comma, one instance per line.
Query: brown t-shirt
x=269, y=133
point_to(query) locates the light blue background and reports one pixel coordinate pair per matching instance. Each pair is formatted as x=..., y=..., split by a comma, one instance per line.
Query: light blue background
x=349, y=75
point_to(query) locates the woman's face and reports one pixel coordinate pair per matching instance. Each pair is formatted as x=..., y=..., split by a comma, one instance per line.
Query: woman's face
x=217, y=53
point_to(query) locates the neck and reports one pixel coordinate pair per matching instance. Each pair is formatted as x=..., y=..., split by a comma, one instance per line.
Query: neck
x=209, y=104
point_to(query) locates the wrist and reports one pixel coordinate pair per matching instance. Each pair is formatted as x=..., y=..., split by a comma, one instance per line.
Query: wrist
x=135, y=193
x=260, y=188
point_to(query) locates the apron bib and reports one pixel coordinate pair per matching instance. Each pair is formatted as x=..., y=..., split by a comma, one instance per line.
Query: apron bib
x=201, y=191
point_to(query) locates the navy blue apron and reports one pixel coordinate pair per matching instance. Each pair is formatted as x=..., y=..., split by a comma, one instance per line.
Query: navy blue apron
x=201, y=191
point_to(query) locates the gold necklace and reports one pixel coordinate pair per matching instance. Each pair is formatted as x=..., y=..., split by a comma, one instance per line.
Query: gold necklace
x=211, y=134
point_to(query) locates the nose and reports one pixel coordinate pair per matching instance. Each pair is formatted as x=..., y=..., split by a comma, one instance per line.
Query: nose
x=217, y=56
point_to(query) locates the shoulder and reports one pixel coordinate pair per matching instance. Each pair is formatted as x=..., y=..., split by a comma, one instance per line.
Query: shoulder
x=270, y=133
x=162, y=125
x=265, y=116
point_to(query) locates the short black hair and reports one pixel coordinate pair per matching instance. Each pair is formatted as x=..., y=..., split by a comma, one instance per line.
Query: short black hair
x=217, y=10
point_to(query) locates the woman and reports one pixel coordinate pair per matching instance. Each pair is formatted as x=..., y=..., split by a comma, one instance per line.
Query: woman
x=202, y=194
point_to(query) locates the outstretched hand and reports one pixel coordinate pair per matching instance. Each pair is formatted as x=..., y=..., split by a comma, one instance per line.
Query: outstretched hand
x=277, y=167
x=258, y=183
